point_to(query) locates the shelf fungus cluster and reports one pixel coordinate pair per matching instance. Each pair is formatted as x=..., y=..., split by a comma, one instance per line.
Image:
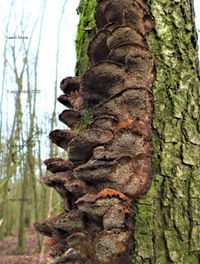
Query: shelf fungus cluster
x=109, y=162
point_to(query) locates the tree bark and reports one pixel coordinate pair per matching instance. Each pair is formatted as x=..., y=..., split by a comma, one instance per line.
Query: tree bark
x=167, y=219
x=167, y=223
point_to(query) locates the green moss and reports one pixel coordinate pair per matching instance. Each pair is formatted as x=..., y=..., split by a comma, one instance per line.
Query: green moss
x=86, y=30
x=179, y=102
x=171, y=135
x=191, y=130
x=86, y=119
x=191, y=154
x=173, y=245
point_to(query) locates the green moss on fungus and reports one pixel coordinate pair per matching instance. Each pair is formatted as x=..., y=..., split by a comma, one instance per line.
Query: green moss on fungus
x=86, y=119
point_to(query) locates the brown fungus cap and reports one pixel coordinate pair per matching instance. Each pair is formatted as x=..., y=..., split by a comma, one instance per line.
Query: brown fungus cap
x=62, y=137
x=58, y=165
x=70, y=117
x=98, y=48
x=70, y=84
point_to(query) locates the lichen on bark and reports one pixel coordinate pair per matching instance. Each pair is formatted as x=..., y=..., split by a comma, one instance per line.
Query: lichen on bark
x=167, y=219
x=173, y=225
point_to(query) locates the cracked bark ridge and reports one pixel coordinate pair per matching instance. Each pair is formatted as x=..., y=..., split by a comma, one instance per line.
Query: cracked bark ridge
x=109, y=161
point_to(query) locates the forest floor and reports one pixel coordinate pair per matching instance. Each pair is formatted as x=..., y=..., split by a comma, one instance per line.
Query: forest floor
x=30, y=255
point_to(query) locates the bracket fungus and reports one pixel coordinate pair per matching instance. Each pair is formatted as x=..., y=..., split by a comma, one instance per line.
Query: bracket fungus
x=70, y=118
x=98, y=49
x=58, y=165
x=109, y=161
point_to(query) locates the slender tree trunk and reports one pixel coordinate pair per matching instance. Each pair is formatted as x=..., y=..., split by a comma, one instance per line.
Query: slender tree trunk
x=23, y=205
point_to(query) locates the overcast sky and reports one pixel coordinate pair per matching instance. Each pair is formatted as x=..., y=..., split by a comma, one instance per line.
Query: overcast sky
x=48, y=47
x=197, y=10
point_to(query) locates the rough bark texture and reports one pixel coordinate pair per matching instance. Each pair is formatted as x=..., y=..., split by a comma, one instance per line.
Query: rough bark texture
x=166, y=221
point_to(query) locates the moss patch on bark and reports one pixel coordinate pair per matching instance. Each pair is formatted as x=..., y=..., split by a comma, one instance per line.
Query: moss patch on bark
x=86, y=30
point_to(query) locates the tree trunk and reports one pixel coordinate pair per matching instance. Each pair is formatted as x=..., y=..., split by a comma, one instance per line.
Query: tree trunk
x=167, y=219
x=167, y=223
